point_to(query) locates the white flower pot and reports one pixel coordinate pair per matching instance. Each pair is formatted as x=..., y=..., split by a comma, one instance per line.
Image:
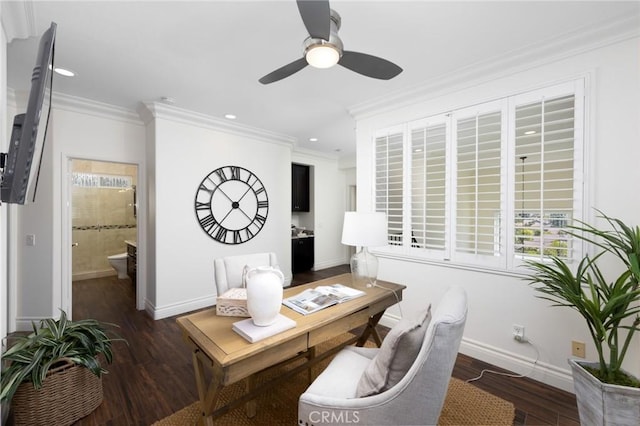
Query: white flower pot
x=602, y=403
x=264, y=294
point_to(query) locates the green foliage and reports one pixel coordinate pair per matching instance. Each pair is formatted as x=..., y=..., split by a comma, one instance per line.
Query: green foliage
x=610, y=308
x=558, y=249
x=32, y=356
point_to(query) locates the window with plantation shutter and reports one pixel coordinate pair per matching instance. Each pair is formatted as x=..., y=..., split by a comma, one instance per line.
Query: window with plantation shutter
x=389, y=154
x=490, y=185
x=544, y=177
x=478, y=189
x=428, y=184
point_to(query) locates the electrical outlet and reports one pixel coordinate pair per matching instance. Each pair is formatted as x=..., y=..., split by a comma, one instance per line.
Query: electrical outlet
x=578, y=349
x=518, y=332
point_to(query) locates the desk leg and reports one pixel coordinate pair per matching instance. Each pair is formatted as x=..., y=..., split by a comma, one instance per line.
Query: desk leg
x=208, y=395
x=250, y=406
x=370, y=329
x=311, y=354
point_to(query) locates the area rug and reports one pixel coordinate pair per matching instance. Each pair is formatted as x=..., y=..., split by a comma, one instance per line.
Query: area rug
x=465, y=404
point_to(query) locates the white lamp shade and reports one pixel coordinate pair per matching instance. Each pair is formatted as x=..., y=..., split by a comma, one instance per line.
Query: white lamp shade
x=364, y=229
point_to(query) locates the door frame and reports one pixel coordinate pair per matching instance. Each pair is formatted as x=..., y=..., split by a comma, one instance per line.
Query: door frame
x=66, y=234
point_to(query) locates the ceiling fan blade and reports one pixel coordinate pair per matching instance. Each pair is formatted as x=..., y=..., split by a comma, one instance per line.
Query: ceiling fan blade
x=316, y=16
x=285, y=71
x=369, y=65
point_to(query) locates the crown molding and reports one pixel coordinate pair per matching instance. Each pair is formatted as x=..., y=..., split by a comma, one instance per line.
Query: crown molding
x=148, y=111
x=86, y=106
x=18, y=19
x=312, y=153
x=527, y=57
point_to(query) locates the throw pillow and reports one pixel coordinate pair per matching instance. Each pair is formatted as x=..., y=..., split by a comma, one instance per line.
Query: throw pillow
x=396, y=355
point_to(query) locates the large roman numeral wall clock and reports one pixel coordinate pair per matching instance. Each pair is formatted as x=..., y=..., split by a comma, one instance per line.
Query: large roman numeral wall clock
x=231, y=205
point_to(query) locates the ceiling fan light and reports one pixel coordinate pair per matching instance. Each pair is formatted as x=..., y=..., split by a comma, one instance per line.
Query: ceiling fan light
x=322, y=56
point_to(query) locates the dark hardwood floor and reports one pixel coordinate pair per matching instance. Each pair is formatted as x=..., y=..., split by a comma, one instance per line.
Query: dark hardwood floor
x=152, y=376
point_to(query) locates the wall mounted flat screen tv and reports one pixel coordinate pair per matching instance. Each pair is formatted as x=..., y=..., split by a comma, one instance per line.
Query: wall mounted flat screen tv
x=21, y=165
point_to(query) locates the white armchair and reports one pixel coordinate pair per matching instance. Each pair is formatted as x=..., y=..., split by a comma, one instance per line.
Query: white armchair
x=418, y=395
x=228, y=271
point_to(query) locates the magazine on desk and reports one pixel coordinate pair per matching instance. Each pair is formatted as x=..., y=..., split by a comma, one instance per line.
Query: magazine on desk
x=315, y=299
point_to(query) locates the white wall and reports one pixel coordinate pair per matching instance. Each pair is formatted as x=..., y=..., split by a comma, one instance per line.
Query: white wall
x=78, y=129
x=175, y=151
x=329, y=204
x=187, y=147
x=496, y=301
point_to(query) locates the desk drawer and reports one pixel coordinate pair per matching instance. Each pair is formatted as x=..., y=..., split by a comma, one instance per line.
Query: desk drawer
x=339, y=327
x=265, y=359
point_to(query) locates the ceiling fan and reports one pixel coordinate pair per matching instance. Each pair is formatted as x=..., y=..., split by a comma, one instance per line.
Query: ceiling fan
x=323, y=48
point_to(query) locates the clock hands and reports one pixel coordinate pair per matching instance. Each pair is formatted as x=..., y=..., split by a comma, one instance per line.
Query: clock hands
x=235, y=205
x=225, y=194
x=225, y=216
x=215, y=212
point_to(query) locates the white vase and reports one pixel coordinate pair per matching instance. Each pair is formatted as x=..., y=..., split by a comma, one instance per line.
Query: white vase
x=264, y=294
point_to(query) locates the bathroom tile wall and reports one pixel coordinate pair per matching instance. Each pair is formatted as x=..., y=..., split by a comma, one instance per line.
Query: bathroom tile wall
x=102, y=219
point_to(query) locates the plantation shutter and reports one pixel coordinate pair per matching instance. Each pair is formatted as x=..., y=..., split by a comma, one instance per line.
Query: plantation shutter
x=429, y=185
x=544, y=176
x=478, y=184
x=388, y=187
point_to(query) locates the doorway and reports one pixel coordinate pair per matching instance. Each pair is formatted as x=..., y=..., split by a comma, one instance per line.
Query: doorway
x=104, y=220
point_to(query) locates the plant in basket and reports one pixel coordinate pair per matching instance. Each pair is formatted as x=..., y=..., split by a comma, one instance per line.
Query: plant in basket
x=53, y=375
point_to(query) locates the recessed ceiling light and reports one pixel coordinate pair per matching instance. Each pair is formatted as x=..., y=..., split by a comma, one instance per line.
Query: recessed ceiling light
x=530, y=132
x=313, y=139
x=230, y=116
x=64, y=72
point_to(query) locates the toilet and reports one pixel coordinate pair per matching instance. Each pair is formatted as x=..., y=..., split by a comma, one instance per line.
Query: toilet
x=119, y=263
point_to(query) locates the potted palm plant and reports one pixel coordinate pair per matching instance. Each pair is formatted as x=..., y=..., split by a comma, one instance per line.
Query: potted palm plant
x=606, y=394
x=53, y=375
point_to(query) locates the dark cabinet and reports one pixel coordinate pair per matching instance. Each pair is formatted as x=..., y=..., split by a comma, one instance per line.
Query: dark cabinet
x=132, y=262
x=299, y=188
x=302, y=253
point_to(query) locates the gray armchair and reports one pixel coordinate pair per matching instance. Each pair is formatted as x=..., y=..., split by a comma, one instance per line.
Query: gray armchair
x=228, y=271
x=418, y=395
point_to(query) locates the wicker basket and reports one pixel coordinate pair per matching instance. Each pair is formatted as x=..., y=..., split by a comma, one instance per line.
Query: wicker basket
x=68, y=393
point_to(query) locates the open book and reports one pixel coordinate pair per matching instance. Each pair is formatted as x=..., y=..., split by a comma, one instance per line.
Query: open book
x=312, y=300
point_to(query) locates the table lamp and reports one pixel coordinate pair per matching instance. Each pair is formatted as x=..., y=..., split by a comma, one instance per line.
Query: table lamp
x=364, y=230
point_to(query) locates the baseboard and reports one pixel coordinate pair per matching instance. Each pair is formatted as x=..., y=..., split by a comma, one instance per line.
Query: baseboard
x=389, y=320
x=93, y=274
x=24, y=323
x=317, y=266
x=543, y=372
x=178, y=308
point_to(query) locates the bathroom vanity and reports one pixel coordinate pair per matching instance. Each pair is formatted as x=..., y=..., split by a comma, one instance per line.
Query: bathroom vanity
x=131, y=260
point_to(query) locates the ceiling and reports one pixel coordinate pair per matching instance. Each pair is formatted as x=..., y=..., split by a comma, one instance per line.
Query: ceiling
x=208, y=55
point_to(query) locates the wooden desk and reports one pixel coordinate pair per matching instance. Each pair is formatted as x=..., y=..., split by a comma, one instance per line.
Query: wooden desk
x=231, y=358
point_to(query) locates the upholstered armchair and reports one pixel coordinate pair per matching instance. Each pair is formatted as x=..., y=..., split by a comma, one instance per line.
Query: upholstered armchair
x=228, y=271
x=368, y=386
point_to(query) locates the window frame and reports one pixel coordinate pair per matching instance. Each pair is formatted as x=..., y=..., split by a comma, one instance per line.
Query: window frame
x=506, y=261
